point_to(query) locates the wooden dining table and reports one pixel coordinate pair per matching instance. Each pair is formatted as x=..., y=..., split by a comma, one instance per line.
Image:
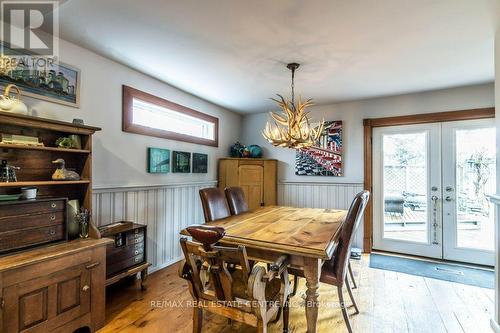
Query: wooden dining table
x=307, y=235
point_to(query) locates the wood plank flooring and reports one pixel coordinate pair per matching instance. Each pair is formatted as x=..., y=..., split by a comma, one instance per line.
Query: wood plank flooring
x=388, y=301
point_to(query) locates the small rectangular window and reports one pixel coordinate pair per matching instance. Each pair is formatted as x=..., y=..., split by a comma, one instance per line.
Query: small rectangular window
x=150, y=115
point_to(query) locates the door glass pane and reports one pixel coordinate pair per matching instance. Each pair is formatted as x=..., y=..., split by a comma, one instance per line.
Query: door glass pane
x=405, y=186
x=475, y=173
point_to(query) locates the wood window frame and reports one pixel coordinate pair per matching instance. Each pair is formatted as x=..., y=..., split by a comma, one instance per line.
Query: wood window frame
x=128, y=126
x=369, y=124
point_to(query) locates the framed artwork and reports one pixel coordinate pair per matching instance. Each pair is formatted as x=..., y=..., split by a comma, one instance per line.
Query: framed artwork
x=200, y=163
x=158, y=160
x=52, y=82
x=325, y=157
x=181, y=162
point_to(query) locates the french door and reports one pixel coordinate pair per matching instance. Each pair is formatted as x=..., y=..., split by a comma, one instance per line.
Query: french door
x=430, y=187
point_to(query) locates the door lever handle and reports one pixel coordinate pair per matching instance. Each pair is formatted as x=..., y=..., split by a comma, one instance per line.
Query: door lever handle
x=448, y=198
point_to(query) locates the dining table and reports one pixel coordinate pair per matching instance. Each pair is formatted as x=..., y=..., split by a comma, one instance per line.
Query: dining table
x=307, y=235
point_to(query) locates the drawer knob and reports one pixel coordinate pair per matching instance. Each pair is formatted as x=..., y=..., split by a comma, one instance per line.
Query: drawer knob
x=137, y=259
x=53, y=205
x=85, y=288
x=52, y=217
x=52, y=232
x=136, y=252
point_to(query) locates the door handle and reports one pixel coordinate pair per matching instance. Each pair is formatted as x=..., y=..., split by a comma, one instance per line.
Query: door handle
x=448, y=198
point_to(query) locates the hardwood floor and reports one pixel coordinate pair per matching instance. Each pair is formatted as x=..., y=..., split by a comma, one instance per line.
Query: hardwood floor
x=388, y=301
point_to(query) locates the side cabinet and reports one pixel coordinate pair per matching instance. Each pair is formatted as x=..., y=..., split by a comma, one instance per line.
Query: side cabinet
x=257, y=178
x=62, y=294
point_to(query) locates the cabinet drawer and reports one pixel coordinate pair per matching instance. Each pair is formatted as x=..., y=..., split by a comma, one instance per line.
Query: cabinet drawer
x=32, y=208
x=124, y=253
x=112, y=251
x=31, y=221
x=134, y=235
x=124, y=264
x=21, y=238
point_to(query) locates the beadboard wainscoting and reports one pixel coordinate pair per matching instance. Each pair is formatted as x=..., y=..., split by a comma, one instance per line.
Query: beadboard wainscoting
x=320, y=195
x=165, y=209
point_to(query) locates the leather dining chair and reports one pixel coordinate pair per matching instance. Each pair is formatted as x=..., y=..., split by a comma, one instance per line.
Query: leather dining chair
x=334, y=271
x=236, y=200
x=214, y=204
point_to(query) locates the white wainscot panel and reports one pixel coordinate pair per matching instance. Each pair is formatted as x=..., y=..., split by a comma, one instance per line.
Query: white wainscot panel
x=165, y=209
x=320, y=195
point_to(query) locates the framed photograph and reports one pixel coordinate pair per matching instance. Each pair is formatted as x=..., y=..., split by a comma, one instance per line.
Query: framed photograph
x=181, y=162
x=52, y=82
x=158, y=160
x=200, y=163
x=325, y=157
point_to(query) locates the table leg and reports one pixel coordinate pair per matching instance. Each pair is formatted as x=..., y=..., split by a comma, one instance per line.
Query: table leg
x=312, y=273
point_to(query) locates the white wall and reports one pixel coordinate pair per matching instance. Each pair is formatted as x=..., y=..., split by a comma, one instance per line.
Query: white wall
x=353, y=113
x=123, y=189
x=296, y=190
x=120, y=158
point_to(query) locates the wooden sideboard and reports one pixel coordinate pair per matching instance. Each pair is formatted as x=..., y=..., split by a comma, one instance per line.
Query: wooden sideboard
x=57, y=288
x=257, y=177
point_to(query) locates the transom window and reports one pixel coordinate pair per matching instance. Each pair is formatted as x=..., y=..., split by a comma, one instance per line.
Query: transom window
x=150, y=115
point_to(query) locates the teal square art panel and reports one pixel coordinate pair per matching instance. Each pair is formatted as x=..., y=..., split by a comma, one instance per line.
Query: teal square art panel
x=181, y=162
x=200, y=163
x=159, y=160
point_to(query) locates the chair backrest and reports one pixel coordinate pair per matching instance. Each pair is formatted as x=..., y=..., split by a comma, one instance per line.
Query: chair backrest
x=236, y=200
x=354, y=216
x=204, y=258
x=214, y=204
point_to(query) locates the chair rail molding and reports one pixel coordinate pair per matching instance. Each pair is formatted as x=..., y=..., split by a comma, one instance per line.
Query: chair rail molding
x=495, y=199
x=165, y=208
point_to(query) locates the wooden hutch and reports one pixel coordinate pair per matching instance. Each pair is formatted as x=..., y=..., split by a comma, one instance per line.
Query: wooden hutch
x=256, y=176
x=58, y=286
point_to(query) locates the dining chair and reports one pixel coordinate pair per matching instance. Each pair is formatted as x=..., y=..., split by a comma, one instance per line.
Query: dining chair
x=214, y=204
x=236, y=200
x=221, y=282
x=334, y=271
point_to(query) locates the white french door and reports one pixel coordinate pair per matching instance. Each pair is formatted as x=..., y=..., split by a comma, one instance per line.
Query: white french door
x=429, y=190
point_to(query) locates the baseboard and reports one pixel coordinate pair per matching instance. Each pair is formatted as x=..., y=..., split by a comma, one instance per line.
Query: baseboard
x=494, y=325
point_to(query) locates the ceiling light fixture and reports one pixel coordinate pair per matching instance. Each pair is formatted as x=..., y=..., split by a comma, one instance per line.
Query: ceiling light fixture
x=291, y=126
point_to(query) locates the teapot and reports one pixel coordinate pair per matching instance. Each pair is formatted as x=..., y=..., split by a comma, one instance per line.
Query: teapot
x=12, y=104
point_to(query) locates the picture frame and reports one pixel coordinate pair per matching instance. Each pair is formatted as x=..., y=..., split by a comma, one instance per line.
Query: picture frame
x=181, y=162
x=158, y=160
x=325, y=157
x=57, y=83
x=200, y=163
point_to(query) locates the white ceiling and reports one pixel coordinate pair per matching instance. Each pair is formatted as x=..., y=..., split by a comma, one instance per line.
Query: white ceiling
x=233, y=52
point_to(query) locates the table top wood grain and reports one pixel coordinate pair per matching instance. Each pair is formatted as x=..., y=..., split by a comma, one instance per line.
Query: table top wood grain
x=308, y=232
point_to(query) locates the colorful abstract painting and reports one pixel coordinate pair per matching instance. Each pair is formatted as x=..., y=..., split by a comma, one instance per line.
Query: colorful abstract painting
x=181, y=162
x=325, y=157
x=200, y=163
x=158, y=160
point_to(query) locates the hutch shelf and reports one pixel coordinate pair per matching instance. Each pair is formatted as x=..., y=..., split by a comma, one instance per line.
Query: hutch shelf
x=57, y=287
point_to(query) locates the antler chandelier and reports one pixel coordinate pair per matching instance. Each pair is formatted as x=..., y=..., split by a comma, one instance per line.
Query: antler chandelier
x=291, y=126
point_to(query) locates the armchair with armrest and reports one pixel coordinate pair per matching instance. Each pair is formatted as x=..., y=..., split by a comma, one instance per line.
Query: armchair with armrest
x=221, y=281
